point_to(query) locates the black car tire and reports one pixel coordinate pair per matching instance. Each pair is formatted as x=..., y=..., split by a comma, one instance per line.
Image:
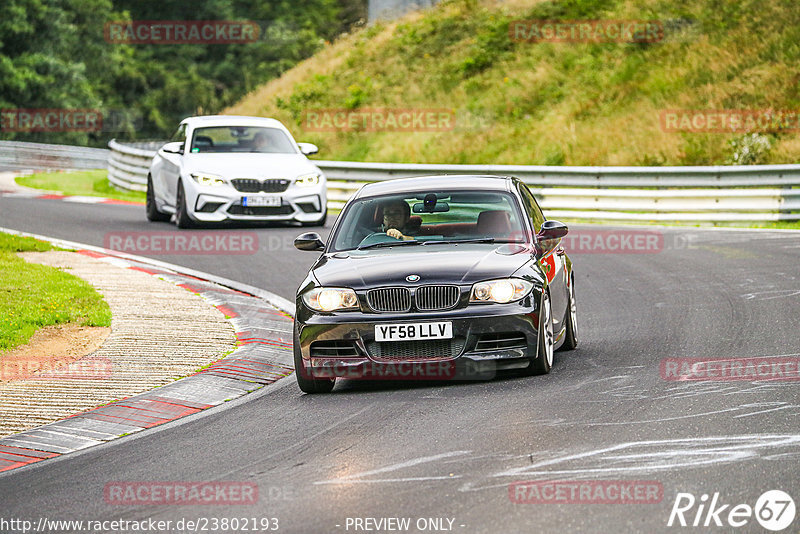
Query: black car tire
x=308, y=384
x=543, y=362
x=319, y=222
x=181, y=216
x=571, y=334
x=153, y=214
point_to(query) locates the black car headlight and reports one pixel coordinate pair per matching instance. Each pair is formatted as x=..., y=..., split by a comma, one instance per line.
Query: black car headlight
x=501, y=290
x=327, y=299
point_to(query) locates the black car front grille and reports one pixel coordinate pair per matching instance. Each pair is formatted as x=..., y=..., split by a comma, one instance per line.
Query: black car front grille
x=252, y=185
x=506, y=340
x=432, y=298
x=333, y=349
x=238, y=209
x=416, y=350
x=389, y=299
x=426, y=298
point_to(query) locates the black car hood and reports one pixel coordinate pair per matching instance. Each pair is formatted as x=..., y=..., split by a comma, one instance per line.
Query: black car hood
x=435, y=264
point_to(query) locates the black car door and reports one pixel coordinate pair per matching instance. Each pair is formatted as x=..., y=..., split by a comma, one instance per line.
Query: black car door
x=553, y=263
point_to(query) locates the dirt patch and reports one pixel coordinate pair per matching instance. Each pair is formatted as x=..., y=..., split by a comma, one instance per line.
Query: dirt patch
x=57, y=352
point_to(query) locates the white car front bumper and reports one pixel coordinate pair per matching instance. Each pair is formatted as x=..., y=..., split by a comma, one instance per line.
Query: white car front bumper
x=225, y=202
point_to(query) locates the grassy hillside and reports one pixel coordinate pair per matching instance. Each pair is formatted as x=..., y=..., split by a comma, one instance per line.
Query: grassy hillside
x=553, y=103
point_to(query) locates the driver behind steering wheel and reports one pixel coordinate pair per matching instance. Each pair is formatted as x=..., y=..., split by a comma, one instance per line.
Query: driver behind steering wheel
x=396, y=214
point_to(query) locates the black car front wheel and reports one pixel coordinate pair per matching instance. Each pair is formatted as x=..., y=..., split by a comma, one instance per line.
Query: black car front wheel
x=543, y=362
x=306, y=383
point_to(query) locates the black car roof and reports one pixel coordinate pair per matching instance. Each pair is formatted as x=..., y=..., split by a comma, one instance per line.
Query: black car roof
x=421, y=183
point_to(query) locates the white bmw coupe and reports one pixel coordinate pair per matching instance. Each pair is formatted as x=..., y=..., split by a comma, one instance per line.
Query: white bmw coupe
x=218, y=168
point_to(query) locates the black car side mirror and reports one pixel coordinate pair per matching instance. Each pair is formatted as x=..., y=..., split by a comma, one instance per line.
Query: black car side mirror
x=309, y=241
x=550, y=236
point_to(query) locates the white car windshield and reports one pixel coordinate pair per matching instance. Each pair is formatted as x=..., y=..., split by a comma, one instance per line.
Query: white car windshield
x=241, y=139
x=430, y=217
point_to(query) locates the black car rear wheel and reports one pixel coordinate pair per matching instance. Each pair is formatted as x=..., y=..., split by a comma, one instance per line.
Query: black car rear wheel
x=543, y=362
x=150, y=204
x=304, y=380
x=571, y=334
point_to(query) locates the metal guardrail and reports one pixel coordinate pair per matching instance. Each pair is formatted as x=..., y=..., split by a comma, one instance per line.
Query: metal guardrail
x=713, y=193
x=129, y=163
x=615, y=193
x=44, y=157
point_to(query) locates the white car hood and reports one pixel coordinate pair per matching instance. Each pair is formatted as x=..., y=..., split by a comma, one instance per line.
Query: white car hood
x=238, y=165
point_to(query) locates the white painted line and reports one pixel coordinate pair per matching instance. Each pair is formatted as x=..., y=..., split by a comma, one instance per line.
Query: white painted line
x=116, y=261
x=84, y=200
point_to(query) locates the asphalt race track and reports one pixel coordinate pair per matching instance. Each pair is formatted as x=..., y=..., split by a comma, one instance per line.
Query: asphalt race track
x=420, y=451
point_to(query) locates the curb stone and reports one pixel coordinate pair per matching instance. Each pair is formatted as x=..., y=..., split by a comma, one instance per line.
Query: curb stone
x=263, y=355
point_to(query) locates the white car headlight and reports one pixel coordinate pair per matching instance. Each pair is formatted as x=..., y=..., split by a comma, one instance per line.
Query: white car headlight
x=331, y=298
x=208, y=179
x=501, y=291
x=307, y=180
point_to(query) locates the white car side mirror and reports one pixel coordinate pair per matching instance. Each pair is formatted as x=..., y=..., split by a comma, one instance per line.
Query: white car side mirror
x=308, y=148
x=173, y=148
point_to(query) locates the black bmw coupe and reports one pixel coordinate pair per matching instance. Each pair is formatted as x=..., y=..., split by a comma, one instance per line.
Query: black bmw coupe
x=437, y=277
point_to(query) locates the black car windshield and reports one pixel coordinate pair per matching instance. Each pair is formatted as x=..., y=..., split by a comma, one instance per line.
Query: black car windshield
x=428, y=217
x=241, y=139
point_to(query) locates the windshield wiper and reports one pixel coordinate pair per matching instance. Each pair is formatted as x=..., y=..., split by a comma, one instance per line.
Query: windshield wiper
x=449, y=241
x=390, y=244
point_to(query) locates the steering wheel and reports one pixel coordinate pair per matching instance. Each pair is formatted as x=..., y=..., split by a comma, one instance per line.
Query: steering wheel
x=377, y=237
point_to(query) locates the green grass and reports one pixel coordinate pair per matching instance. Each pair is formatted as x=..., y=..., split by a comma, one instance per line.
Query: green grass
x=550, y=103
x=84, y=183
x=33, y=296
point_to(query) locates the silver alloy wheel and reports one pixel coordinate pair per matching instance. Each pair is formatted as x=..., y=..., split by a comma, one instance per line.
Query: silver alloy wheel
x=548, y=329
x=573, y=311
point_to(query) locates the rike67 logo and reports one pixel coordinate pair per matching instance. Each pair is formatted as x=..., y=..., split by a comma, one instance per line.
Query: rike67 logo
x=774, y=510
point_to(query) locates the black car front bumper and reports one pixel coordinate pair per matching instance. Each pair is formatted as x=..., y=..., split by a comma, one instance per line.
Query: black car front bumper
x=486, y=338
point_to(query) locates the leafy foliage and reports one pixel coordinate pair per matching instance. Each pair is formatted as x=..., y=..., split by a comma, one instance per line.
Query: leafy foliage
x=519, y=101
x=54, y=55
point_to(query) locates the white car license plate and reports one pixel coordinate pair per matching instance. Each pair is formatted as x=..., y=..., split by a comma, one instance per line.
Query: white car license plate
x=257, y=202
x=413, y=331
